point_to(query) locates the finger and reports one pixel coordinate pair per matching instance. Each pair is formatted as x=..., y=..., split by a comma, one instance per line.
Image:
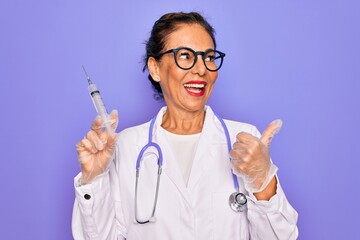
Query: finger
x=114, y=118
x=95, y=140
x=272, y=129
x=80, y=147
x=236, y=155
x=111, y=140
x=85, y=146
x=97, y=124
x=110, y=146
x=84, y=157
x=110, y=123
x=104, y=136
x=245, y=137
x=240, y=152
x=239, y=146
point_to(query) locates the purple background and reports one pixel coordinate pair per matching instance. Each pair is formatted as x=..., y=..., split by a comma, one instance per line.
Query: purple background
x=295, y=60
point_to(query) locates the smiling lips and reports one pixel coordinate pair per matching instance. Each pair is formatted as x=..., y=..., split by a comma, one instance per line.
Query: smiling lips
x=195, y=88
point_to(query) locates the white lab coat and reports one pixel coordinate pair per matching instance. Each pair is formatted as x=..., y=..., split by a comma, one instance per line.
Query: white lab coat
x=198, y=211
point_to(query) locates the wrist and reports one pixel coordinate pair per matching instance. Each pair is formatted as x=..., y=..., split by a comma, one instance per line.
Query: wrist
x=268, y=192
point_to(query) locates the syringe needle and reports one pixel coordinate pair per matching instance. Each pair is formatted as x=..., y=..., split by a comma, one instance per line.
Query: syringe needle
x=87, y=76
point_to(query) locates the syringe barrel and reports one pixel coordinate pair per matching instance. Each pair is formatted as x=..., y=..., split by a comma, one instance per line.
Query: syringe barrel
x=100, y=107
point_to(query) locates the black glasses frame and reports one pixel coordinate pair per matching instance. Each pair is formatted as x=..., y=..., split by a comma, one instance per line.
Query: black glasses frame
x=196, y=53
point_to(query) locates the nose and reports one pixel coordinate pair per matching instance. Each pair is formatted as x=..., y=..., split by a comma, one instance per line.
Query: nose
x=199, y=67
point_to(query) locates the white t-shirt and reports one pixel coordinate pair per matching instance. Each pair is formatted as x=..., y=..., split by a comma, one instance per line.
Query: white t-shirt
x=184, y=148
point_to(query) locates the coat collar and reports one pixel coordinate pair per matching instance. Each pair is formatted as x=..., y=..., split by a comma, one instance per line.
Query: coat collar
x=211, y=136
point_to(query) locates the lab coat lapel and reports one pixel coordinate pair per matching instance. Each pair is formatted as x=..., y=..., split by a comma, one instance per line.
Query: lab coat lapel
x=210, y=139
x=170, y=166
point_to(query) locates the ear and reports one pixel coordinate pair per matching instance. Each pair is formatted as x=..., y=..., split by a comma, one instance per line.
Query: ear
x=154, y=70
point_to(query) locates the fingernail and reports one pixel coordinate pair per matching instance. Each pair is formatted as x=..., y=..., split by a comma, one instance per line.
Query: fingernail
x=114, y=111
x=279, y=124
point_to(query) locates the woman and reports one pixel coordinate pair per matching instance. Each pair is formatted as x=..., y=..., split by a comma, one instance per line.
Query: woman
x=190, y=201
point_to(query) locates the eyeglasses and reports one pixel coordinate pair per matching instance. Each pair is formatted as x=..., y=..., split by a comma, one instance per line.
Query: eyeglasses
x=185, y=58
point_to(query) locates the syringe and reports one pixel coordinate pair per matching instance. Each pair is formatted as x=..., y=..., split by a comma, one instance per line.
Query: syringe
x=99, y=104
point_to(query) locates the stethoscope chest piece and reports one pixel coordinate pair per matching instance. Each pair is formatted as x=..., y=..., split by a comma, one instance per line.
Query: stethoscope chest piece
x=237, y=201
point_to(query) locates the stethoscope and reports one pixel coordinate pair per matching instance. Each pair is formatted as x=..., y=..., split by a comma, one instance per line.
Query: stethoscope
x=237, y=200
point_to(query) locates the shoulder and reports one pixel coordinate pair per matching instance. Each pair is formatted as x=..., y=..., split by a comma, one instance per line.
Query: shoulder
x=134, y=133
x=234, y=127
x=139, y=134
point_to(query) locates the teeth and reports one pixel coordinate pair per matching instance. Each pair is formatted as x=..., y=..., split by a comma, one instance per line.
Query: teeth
x=194, y=90
x=194, y=85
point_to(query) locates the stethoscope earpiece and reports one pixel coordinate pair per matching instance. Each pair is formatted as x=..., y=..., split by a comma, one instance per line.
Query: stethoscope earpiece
x=237, y=201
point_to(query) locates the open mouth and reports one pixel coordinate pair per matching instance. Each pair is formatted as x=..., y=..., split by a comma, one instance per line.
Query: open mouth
x=195, y=88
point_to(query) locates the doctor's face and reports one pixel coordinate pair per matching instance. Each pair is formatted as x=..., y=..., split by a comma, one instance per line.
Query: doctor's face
x=186, y=90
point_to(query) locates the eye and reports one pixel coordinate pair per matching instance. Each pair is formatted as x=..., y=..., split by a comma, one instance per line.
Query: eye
x=210, y=57
x=184, y=55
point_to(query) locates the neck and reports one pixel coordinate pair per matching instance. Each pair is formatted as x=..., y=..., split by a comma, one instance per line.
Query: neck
x=183, y=123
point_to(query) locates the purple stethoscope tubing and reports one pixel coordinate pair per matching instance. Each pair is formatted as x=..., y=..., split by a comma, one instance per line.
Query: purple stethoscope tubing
x=234, y=199
x=236, y=183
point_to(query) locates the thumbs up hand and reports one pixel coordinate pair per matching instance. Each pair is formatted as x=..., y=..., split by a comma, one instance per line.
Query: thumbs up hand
x=250, y=158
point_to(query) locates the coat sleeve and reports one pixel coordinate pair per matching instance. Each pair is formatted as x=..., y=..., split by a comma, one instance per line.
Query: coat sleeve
x=273, y=219
x=97, y=213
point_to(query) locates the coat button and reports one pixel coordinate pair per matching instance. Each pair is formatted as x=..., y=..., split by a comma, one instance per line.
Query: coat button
x=87, y=196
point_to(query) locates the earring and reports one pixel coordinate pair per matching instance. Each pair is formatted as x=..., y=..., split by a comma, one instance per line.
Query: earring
x=157, y=79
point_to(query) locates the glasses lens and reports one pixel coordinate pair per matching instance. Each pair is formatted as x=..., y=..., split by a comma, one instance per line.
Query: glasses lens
x=185, y=58
x=213, y=60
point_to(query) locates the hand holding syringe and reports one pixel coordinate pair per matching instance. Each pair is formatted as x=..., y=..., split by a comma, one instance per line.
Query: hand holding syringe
x=96, y=149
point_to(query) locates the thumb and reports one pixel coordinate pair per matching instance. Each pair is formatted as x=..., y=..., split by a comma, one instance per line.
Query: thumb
x=272, y=129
